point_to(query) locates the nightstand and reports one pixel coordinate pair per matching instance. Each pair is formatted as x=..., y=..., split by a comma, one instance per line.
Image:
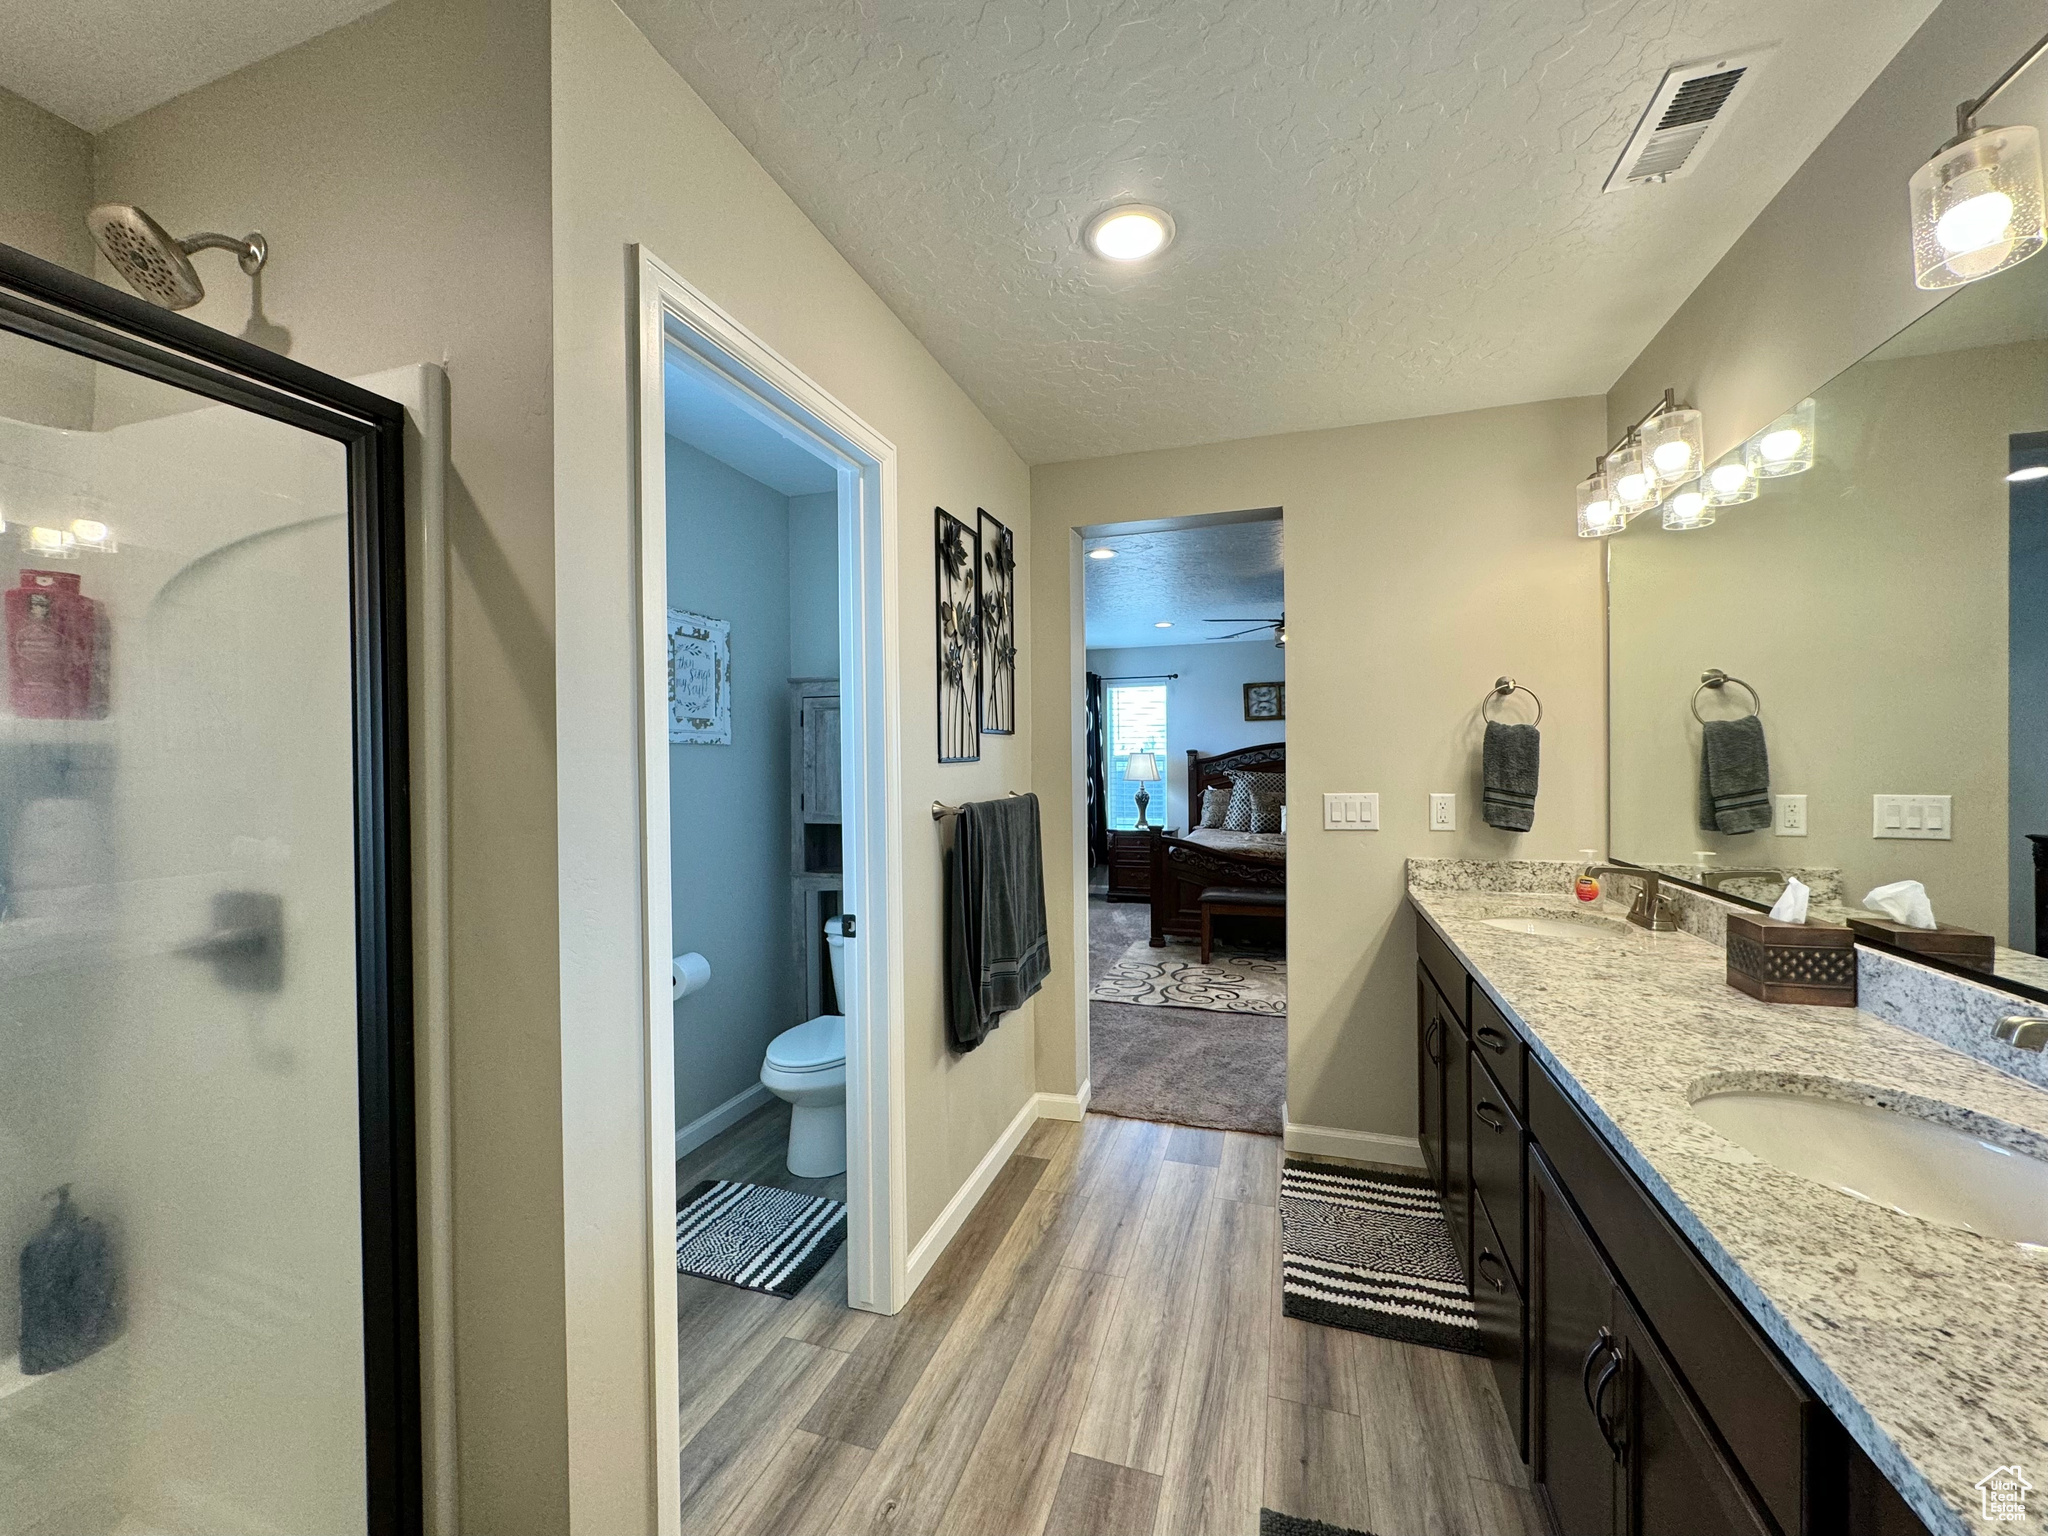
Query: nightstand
x=1130, y=862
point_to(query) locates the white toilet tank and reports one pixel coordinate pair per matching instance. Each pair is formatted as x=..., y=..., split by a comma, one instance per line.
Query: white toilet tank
x=837, y=942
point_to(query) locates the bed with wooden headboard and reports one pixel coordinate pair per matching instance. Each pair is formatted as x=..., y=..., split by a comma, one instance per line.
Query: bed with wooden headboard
x=1185, y=866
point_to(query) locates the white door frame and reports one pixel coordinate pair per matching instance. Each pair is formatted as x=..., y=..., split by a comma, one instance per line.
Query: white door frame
x=763, y=382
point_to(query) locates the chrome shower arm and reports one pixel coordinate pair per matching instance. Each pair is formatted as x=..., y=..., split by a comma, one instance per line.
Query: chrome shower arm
x=251, y=250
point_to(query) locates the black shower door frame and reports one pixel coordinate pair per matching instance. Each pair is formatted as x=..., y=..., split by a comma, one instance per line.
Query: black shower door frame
x=52, y=304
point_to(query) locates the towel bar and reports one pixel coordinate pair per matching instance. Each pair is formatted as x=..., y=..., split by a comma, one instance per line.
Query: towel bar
x=1715, y=678
x=1502, y=687
x=941, y=811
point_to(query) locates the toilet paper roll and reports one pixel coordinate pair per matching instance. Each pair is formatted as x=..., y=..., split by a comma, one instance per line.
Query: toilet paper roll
x=689, y=973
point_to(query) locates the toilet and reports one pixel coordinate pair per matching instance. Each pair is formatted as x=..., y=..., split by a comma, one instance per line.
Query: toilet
x=806, y=1066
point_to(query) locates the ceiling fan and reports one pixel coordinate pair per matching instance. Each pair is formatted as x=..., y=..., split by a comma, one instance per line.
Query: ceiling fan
x=1278, y=626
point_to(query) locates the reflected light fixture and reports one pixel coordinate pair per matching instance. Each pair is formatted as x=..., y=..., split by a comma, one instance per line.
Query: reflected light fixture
x=1101, y=554
x=49, y=543
x=1785, y=447
x=1129, y=232
x=1164, y=624
x=1977, y=205
x=2031, y=472
x=90, y=533
x=1687, y=509
x=1729, y=484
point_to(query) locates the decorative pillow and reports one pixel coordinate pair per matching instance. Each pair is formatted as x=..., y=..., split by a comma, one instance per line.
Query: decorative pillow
x=1215, y=805
x=1255, y=800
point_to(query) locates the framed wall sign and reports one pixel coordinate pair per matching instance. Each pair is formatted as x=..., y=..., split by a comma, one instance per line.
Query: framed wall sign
x=699, y=680
x=1265, y=701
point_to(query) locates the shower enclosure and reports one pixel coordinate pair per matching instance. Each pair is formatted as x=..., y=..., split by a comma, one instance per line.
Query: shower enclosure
x=205, y=945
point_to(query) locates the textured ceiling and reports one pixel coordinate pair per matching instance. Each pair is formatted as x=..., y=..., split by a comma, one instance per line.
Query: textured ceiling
x=99, y=62
x=1182, y=576
x=1385, y=209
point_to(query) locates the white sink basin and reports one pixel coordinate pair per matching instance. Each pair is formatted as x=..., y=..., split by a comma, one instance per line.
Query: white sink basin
x=1891, y=1158
x=1555, y=927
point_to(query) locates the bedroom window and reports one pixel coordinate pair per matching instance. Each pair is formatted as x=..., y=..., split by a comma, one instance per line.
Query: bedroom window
x=1136, y=723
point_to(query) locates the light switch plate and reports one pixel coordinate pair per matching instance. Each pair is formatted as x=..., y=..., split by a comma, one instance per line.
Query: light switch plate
x=1351, y=813
x=1443, y=813
x=1788, y=815
x=1920, y=817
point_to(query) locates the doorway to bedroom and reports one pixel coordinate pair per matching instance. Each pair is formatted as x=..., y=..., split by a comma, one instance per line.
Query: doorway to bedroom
x=1185, y=698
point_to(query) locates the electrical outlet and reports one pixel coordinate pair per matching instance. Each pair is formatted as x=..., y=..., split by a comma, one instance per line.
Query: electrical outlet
x=1351, y=813
x=1443, y=813
x=1923, y=817
x=1788, y=815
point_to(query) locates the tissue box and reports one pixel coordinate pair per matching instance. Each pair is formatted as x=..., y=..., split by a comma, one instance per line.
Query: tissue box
x=1791, y=962
x=1944, y=941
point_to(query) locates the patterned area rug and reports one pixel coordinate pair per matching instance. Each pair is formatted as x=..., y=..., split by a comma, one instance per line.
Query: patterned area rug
x=1236, y=981
x=1372, y=1252
x=756, y=1237
x=1273, y=1523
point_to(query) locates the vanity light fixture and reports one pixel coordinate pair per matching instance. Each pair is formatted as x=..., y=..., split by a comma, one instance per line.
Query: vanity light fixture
x=1635, y=487
x=1977, y=205
x=1598, y=515
x=49, y=543
x=1101, y=554
x=90, y=533
x=1785, y=447
x=1129, y=232
x=2031, y=472
x=1673, y=445
x=1687, y=509
x=1729, y=484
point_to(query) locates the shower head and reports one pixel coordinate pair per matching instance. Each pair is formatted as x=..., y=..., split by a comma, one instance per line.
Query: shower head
x=158, y=265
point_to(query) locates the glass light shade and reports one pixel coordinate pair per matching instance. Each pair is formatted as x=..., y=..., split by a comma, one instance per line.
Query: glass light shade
x=49, y=543
x=1635, y=488
x=1977, y=207
x=1729, y=484
x=1143, y=767
x=1687, y=509
x=90, y=533
x=1598, y=515
x=1785, y=447
x=1673, y=446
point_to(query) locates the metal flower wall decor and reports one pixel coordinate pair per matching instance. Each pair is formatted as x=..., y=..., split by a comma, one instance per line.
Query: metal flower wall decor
x=959, y=632
x=998, y=626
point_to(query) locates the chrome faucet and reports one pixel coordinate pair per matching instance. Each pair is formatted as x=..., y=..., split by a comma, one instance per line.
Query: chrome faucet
x=2023, y=1031
x=1653, y=909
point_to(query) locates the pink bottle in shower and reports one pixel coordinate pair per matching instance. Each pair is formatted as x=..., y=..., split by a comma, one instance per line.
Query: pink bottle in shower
x=55, y=670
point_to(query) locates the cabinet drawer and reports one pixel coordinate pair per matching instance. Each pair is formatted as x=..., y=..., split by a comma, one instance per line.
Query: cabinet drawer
x=1767, y=1419
x=1442, y=965
x=1497, y=1300
x=1500, y=1046
x=1497, y=1168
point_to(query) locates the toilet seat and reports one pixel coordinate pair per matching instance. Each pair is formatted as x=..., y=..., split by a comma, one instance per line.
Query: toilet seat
x=816, y=1045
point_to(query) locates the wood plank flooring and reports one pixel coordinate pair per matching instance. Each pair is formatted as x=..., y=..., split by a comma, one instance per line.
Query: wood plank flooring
x=1100, y=1352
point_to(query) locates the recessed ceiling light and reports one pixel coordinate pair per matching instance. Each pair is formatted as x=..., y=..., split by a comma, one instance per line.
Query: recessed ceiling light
x=1168, y=623
x=1130, y=232
x=2031, y=472
x=1101, y=554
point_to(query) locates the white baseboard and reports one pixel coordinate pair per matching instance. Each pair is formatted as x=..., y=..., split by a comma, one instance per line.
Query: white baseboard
x=1065, y=1106
x=1359, y=1146
x=735, y=1109
x=933, y=1243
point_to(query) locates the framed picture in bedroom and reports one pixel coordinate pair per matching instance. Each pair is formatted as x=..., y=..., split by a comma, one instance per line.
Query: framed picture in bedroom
x=1265, y=701
x=998, y=581
x=958, y=565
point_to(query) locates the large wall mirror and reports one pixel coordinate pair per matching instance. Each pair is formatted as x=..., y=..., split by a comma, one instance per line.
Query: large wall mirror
x=1884, y=613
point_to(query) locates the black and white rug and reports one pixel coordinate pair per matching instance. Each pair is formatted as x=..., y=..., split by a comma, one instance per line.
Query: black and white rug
x=1236, y=981
x=1372, y=1252
x=756, y=1237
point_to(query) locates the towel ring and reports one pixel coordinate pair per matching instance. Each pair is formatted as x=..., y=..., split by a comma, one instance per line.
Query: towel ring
x=1714, y=677
x=1502, y=687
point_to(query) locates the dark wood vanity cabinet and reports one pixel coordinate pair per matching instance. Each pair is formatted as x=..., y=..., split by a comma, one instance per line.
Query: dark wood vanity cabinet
x=1644, y=1399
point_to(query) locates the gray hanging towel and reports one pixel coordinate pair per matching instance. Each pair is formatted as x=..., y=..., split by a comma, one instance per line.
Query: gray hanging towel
x=1508, y=773
x=1735, y=776
x=996, y=951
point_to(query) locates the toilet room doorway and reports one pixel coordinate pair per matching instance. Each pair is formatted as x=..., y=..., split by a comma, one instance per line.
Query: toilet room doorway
x=769, y=806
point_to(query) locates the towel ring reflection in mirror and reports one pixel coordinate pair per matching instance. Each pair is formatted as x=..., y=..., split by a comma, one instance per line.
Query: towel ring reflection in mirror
x=1716, y=679
x=1502, y=687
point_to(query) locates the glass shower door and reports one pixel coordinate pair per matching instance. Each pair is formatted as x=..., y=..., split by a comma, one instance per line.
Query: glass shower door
x=194, y=1318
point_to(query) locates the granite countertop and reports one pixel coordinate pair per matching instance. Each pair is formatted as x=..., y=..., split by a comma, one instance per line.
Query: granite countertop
x=1929, y=1343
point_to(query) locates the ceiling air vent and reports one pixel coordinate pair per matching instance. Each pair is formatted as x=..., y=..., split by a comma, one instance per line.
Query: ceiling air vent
x=1691, y=104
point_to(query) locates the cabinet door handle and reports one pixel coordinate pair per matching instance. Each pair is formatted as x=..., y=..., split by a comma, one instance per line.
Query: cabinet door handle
x=1490, y=1113
x=1617, y=1442
x=1429, y=1040
x=1486, y=1254
x=1599, y=1347
x=1492, y=1039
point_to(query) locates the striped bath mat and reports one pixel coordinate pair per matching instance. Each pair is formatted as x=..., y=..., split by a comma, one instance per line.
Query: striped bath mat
x=1372, y=1251
x=756, y=1237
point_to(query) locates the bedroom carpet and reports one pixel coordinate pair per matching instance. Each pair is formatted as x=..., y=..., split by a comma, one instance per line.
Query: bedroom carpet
x=1174, y=977
x=1226, y=1071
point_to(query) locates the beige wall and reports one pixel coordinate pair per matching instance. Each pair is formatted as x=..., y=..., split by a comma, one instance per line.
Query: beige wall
x=1866, y=600
x=1825, y=272
x=399, y=167
x=1424, y=558
x=45, y=188
x=639, y=158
